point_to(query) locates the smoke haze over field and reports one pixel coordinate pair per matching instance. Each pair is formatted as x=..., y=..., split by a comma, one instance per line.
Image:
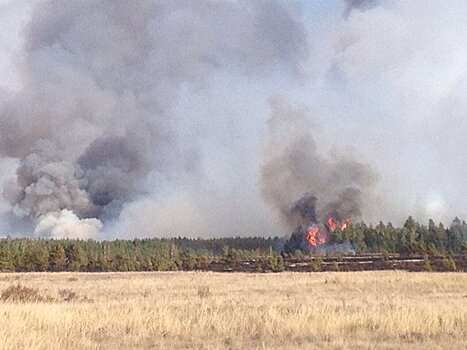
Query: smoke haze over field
x=200, y=118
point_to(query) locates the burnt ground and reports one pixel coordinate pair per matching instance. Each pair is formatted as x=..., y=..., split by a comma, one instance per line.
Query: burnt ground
x=344, y=263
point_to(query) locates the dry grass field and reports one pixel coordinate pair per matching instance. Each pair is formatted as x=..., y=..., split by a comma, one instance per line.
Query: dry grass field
x=182, y=310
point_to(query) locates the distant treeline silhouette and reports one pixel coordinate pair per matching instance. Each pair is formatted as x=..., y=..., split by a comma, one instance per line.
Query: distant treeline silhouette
x=164, y=254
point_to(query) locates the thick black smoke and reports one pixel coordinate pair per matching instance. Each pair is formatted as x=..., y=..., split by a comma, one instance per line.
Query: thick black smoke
x=303, y=212
x=360, y=5
x=302, y=184
x=148, y=116
x=95, y=114
x=113, y=167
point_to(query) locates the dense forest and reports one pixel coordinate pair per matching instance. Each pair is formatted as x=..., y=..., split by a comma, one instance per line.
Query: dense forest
x=160, y=254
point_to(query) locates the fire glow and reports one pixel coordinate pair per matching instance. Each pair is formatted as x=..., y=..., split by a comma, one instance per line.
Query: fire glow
x=317, y=235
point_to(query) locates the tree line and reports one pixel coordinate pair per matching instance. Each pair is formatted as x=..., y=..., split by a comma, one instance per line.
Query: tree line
x=155, y=254
x=413, y=238
x=159, y=254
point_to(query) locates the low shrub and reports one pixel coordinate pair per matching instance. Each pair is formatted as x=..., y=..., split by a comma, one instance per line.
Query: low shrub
x=22, y=294
x=67, y=294
x=449, y=264
x=316, y=264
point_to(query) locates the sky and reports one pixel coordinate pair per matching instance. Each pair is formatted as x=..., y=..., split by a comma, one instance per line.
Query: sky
x=162, y=119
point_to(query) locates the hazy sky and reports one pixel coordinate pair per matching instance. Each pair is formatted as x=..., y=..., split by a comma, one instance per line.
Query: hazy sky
x=381, y=83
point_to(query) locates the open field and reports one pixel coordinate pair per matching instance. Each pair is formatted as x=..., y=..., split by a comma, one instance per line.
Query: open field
x=336, y=310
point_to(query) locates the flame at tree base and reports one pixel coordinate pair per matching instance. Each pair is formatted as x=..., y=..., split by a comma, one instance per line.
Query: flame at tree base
x=317, y=235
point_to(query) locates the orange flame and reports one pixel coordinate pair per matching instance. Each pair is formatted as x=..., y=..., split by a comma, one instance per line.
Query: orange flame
x=345, y=224
x=332, y=224
x=316, y=236
x=312, y=235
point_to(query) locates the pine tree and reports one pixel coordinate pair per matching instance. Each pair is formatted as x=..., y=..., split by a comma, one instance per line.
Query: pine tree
x=34, y=257
x=120, y=262
x=6, y=260
x=426, y=264
x=102, y=263
x=57, y=258
x=76, y=256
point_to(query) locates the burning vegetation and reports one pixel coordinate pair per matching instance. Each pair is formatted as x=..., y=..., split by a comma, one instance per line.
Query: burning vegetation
x=316, y=194
x=311, y=235
x=319, y=235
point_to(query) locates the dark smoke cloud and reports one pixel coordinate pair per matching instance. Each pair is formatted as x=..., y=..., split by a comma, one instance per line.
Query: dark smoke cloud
x=360, y=5
x=149, y=116
x=45, y=182
x=303, y=212
x=94, y=116
x=114, y=169
x=302, y=184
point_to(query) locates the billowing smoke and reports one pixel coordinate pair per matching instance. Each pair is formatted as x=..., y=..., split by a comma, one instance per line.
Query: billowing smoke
x=150, y=117
x=361, y=5
x=66, y=224
x=303, y=212
x=93, y=124
x=46, y=183
x=304, y=185
x=113, y=168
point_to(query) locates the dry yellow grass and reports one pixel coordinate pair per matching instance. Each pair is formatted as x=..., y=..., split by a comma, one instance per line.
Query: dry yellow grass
x=366, y=310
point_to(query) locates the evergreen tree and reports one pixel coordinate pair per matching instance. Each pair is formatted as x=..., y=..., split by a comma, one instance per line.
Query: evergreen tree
x=121, y=262
x=76, y=257
x=455, y=235
x=34, y=257
x=6, y=260
x=57, y=258
x=103, y=263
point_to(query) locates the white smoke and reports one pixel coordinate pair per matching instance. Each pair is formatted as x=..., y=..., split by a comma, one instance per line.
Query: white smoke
x=45, y=183
x=93, y=123
x=48, y=190
x=164, y=105
x=66, y=224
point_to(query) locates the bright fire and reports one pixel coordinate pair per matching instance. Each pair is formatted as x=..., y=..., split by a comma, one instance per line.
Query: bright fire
x=317, y=236
x=345, y=224
x=334, y=225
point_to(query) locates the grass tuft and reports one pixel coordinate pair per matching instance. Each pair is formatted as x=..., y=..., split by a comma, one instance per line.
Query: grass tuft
x=22, y=294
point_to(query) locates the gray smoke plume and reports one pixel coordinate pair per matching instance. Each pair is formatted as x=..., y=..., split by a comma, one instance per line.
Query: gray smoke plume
x=360, y=5
x=302, y=184
x=113, y=169
x=94, y=115
x=303, y=212
x=45, y=183
x=150, y=116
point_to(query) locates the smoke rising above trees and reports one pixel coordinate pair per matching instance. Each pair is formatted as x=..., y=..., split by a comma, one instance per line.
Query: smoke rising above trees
x=94, y=116
x=158, y=118
x=302, y=184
